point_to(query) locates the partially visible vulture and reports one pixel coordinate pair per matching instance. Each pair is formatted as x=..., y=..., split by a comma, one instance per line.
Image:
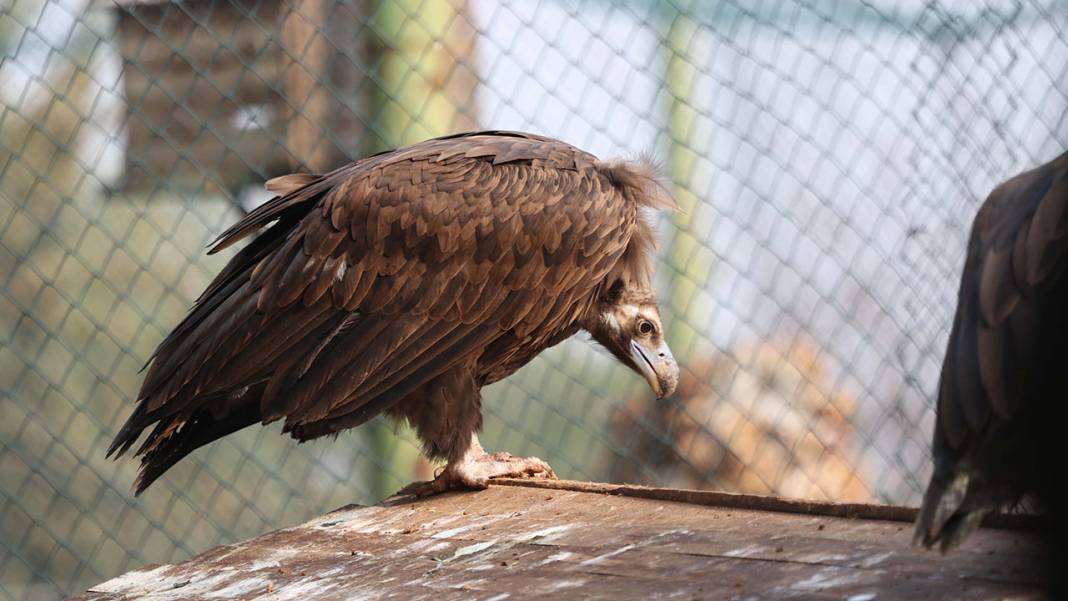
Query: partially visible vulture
x=402, y=284
x=1000, y=433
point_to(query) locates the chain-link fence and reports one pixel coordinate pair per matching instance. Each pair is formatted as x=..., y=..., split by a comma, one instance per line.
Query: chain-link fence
x=828, y=155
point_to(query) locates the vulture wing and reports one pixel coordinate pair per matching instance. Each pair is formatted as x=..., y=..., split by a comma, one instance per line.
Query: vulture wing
x=1005, y=358
x=375, y=279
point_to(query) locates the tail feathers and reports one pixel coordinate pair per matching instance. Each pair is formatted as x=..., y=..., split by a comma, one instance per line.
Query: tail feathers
x=194, y=433
x=946, y=518
x=129, y=432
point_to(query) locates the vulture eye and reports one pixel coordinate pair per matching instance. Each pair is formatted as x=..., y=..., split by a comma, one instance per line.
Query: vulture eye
x=646, y=327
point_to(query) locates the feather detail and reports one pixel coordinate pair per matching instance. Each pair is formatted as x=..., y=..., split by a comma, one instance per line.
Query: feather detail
x=285, y=184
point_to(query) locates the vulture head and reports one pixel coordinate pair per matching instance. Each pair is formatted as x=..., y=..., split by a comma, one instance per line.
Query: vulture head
x=628, y=325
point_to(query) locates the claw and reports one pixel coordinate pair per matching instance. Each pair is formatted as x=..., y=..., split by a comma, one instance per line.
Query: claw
x=476, y=468
x=422, y=489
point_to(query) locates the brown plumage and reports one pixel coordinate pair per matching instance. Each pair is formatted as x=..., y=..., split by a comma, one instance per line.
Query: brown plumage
x=403, y=283
x=1002, y=393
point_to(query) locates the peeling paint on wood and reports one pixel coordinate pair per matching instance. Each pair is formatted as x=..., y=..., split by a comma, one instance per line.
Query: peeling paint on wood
x=512, y=542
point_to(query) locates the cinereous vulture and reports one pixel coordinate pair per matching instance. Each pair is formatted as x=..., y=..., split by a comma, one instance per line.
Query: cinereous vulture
x=402, y=284
x=1004, y=379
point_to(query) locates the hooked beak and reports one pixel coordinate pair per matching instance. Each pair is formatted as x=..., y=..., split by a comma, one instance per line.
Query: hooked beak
x=658, y=367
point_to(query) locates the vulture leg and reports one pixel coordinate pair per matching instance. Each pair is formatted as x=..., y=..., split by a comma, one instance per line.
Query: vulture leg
x=474, y=468
x=447, y=415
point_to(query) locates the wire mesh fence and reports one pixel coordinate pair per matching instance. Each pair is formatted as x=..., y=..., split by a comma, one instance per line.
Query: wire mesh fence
x=828, y=157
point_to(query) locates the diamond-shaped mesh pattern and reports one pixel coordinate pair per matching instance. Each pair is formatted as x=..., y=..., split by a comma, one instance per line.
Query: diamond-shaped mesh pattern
x=828, y=155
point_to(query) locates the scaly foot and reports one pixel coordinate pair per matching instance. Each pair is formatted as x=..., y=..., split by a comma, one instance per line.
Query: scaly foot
x=475, y=470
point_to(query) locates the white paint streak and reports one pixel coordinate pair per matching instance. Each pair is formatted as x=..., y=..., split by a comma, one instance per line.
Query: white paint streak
x=367, y=521
x=131, y=580
x=173, y=583
x=453, y=531
x=600, y=558
x=415, y=548
x=442, y=521
x=862, y=597
x=312, y=588
x=825, y=579
x=876, y=559
x=437, y=547
x=823, y=557
x=564, y=584
x=545, y=532
x=239, y=588
x=561, y=556
x=472, y=549
x=500, y=597
x=749, y=551
x=271, y=560
x=469, y=584
x=483, y=521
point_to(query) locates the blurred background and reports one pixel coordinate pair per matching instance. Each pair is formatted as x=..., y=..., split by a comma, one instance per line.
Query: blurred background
x=828, y=154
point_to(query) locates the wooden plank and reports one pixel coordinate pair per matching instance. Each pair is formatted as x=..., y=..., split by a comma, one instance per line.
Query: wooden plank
x=527, y=542
x=307, y=52
x=864, y=511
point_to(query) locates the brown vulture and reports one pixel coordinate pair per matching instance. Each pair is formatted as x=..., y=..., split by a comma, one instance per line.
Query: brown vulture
x=1001, y=398
x=402, y=284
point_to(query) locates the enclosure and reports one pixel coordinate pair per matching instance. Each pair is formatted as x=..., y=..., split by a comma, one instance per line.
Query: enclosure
x=828, y=157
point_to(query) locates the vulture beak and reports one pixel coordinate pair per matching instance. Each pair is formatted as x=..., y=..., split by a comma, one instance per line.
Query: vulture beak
x=658, y=366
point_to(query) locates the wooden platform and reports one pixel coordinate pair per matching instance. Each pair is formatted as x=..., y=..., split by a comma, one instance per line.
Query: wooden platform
x=577, y=540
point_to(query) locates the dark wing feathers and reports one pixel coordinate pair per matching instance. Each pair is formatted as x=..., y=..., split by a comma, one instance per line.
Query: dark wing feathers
x=1019, y=247
x=1004, y=352
x=377, y=278
x=330, y=379
x=1018, y=242
x=435, y=362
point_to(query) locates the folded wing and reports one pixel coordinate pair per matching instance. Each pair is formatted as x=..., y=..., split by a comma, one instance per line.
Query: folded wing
x=1005, y=353
x=374, y=279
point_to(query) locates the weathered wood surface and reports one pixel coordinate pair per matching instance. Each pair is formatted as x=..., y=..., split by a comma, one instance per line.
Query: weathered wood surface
x=511, y=542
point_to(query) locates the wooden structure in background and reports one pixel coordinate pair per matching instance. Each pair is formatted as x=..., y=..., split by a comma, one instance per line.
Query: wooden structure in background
x=221, y=93
x=561, y=539
x=307, y=55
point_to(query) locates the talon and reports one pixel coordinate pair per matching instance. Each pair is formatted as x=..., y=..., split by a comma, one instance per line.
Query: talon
x=421, y=489
x=477, y=483
x=474, y=469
